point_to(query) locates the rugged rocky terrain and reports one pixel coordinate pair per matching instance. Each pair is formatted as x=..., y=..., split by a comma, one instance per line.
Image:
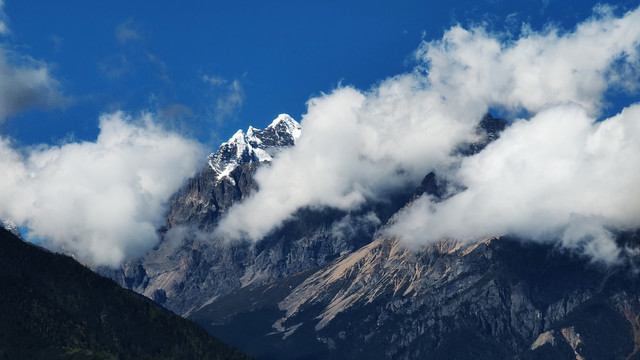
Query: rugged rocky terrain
x=312, y=289
x=500, y=298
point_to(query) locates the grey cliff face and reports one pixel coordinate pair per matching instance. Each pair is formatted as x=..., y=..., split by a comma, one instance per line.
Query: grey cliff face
x=491, y=299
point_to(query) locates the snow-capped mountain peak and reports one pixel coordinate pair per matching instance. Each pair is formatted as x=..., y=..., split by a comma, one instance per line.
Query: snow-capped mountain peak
x=285, y=121
x=255, y=145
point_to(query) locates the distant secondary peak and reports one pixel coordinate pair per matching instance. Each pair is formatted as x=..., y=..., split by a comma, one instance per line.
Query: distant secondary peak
x=238, y=136
x=280, y=118
x=285, y=123
x=11, y=227
x=254, y=145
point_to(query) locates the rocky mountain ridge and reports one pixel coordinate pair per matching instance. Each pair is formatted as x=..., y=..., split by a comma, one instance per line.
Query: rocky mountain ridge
x=310, y=289
x=191, y=266
x=254, y=146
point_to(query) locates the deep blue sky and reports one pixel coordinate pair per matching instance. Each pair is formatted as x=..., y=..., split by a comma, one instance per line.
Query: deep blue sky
x=271, y=55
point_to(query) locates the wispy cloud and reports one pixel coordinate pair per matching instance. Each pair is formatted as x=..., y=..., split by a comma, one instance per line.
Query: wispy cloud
x=131, y=55
x=214, y=80
x=160, y=65
x=4, y=27
x=57, y=43
x=227, y=95
x=128, y=31
x=552, y=170
x=545, y=5
x=115, y=66
x=24, y=81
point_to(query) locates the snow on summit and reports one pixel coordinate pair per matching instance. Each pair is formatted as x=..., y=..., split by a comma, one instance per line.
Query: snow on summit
x=255, y=145
x=292, y=126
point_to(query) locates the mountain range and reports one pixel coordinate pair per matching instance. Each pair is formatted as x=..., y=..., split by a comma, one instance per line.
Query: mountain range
x=329, y=284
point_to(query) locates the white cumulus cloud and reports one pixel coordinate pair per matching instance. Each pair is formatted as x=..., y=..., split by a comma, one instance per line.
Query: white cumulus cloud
x=539, y=69
x=103, y=200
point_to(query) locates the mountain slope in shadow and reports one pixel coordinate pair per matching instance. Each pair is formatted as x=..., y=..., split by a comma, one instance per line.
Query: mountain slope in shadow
x=52, y=307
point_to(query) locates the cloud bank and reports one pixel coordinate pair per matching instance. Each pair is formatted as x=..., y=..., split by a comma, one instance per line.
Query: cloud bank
x=228, y=96
x=101, y=200
x=559, y=174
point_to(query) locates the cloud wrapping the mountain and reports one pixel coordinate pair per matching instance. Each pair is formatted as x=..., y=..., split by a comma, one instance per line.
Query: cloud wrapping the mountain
x=559, y=176
x=354, y=146
x=101, y=200
x=551, y=176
